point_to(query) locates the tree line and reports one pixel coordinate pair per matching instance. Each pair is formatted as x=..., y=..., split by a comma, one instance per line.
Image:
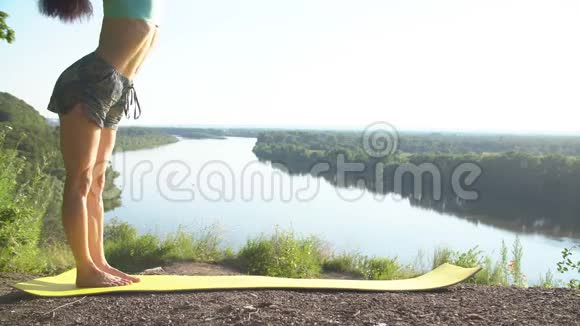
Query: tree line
x=535, y=178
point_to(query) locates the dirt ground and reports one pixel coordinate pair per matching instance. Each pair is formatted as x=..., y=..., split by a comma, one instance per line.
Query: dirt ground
x=459, y=305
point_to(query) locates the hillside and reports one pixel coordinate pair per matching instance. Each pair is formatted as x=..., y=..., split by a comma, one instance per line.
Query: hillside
x=28, y=131
x=33, y=179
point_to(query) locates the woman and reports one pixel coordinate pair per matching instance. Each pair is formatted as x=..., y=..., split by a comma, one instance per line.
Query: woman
x=90, y=97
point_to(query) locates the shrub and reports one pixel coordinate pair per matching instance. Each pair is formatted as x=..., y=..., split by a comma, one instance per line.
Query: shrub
x=381, y=268
x=19, y=235
x=200, y=246
x=370, y=268
x=21, y=212
x=57, y=256
x=470, y=258
x=441, y=256
x=282, y=255
x=345, y=263
x=568, y=265
x=126, y=250
x=515, y=266
x=502, y=273
x=548, y=281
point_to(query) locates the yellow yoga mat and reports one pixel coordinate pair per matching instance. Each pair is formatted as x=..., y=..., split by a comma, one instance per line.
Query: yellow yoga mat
x=63, y=285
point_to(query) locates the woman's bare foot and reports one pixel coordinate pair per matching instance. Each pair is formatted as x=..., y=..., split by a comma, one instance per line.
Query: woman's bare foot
x=115, y=272
x=94, y=278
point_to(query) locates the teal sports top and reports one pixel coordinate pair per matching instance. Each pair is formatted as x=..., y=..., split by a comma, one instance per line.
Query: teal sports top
x=138, y=9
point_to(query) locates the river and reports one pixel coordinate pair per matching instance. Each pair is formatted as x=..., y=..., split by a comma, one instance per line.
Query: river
x=220, y=183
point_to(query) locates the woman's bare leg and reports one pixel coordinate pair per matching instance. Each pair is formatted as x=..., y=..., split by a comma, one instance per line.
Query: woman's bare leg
x=79, y=139
x=95, y=205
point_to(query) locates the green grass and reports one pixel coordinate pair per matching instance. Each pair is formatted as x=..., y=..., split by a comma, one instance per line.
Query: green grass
x=370, y=268
x=203, y=245
x=345, y=263
x=282, y=254
x=504, y=272
x=548, y=281
x=57, y=258
x=127, y=250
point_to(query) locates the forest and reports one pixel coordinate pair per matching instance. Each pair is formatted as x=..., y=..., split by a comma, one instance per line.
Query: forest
x=523, y=179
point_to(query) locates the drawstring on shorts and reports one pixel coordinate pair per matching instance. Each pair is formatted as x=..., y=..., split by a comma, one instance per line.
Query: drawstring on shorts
x=132, y=100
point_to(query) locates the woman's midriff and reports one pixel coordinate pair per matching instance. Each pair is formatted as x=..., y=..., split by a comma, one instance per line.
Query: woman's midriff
x=125, y=43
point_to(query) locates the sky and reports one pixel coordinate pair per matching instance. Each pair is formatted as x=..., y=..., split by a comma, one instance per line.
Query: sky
x=478, y=65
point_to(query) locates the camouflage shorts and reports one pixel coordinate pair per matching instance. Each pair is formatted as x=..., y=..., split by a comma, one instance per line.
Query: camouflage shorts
x=97, y=86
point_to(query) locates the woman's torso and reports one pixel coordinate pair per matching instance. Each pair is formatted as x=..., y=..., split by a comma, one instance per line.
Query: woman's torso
x=128, y=33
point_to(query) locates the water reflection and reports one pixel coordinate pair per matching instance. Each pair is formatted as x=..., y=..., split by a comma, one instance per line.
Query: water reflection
x=554, y=220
